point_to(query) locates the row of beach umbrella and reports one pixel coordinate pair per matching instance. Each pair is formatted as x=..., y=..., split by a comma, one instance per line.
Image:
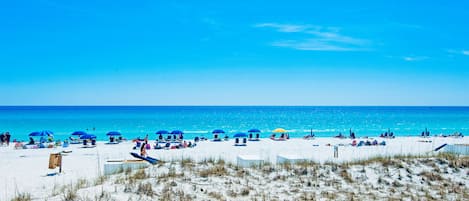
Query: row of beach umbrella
x=82, y=134
x=85, y=135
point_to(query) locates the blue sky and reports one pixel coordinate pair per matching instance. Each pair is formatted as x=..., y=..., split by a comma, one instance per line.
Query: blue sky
x=234, y=53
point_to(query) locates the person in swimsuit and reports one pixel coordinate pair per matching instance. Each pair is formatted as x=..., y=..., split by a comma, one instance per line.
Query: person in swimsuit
x=143, y=150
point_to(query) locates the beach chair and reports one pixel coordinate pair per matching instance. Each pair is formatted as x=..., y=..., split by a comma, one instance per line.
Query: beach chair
x=216, y=138
x=383, y=143
x=361, y=143
x=157, y=146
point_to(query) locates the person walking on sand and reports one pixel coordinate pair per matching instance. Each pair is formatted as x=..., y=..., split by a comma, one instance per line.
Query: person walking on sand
x=7, y=138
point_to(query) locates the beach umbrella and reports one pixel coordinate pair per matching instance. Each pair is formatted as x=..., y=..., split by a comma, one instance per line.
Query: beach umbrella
x=87, y=137
x=240, y=135
x=254, y=130
x=279, y=130
x=79, y=133
x=177, y=132
x=218, y=131
x=162, y=132
x=47, y=133
x=36, y=134
x=113, y=133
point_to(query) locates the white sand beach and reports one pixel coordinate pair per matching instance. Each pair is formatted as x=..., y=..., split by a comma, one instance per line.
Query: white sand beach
x=25, y=170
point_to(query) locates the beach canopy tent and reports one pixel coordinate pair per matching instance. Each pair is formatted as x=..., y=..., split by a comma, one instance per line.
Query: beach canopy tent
x=162, y=132
x=177, y=132
x=79, y=133
x=218, y=131
x=113, y=133
x=174, y=133
x=254, y=134
x=112, y=136
x=88, y=137
x=216, y=134
x=238, y=137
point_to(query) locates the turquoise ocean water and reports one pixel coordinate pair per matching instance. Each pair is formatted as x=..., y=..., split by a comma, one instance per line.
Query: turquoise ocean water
x=200, y=120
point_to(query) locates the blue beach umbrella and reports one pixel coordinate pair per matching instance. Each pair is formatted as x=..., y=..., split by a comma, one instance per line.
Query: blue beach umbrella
x=47, y=133
x=36, y=134
x=240, y=135
x=218, y=131
x=87, y=137
x=79, y=133
x=177, y=132
x=113, y=133
x=254, y=130
x=162, y=132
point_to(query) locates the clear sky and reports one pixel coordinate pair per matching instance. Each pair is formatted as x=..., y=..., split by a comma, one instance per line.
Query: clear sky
x=55, y=52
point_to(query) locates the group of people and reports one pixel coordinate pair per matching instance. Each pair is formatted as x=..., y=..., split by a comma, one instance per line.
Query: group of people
x=387, y=135
x=5, y=138
x=367, y=143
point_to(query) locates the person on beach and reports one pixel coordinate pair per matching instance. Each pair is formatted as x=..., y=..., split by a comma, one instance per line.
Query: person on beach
x=7, y=138
x=31, y=140
x=143, y=149
x=2, y=139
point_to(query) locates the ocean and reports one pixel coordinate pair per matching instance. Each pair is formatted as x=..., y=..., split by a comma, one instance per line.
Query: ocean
x=138, y=121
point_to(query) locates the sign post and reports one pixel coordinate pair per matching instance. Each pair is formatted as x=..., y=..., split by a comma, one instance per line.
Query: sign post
x=55, y=160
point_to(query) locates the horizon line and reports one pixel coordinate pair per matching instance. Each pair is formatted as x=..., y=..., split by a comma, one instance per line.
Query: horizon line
x=234, y=105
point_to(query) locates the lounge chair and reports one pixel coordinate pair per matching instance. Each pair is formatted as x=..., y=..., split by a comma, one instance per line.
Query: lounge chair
x=361, y=143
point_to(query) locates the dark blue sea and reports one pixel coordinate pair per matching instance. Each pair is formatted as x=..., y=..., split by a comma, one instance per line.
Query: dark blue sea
x=136, y=121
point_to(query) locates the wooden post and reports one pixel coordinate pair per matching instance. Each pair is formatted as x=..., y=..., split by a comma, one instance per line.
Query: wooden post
x=60, y=162
x=336, y=151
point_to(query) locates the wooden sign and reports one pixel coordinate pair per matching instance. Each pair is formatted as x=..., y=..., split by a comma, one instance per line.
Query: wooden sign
x=55, y=160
